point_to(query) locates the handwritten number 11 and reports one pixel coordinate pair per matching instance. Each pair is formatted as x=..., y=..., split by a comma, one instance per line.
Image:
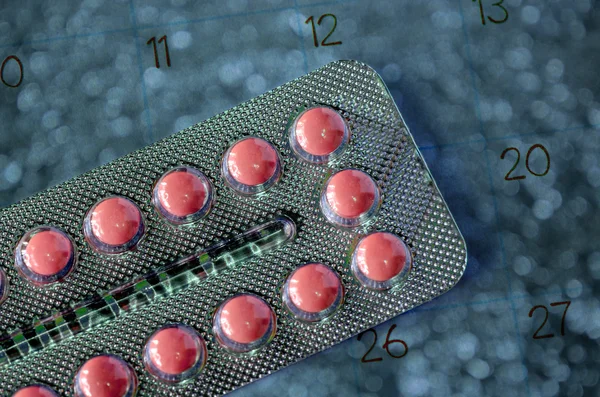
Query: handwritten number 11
x=162, y=39
x=498, y=5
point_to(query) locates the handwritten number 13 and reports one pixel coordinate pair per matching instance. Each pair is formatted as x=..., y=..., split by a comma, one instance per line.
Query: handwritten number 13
x=497, y=4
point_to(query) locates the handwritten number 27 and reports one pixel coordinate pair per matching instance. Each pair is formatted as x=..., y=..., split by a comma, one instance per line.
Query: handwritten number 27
x=562, y=323
x=498, y=4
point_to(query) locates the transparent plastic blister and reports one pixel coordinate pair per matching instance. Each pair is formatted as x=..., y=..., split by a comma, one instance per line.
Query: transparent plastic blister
x=175, y=353
x=246, y=235
x=45, y=255
x=183, y=195
x=381, y=261
x=244, y=323
x=350, y=198
x=3, y=286
x=114, y=225
x=105, y=375
x=255, y=172
x=324, y=143
x=313, y=292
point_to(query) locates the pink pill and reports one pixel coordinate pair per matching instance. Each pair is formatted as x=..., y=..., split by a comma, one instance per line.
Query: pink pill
x=35, y=391
x=105, y=376
x=313, y=292
x=183, y=195
x=319, y=134
x=244, y=323
x=381, y=260
x=175, y=353
x=114, y=225
x=251, y=165
x=3, y=286
x=48, y=252
x=350, y=198
x=44, y=255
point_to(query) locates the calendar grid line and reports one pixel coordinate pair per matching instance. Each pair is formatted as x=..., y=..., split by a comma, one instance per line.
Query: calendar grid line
x=514, y=136
x=134, y=29
x=216, y=18
x=245, y=14
x=477, y=106
x=68, y=37
x=149, y=131
x=177, y=23
x=300, y=36
x=497, y=300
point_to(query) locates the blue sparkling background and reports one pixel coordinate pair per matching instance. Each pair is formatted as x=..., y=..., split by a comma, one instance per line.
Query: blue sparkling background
x=91, y=93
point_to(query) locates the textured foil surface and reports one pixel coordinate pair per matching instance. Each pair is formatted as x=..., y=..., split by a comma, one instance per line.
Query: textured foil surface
x=380, y=145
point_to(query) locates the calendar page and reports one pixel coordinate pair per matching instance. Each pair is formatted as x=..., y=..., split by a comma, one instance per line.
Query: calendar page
x=501, y=97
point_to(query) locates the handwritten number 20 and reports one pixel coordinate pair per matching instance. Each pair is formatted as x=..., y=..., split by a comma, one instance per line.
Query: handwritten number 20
x=531, y=149
x=386, y=345
x=18, y=61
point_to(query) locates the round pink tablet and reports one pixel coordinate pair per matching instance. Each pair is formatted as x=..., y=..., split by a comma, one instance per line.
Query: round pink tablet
x=36, y=391
x=48, y=252
x=44, y=255
x=182, y=195
x=244, y=322
x=318, y=133
x=175, y=353
x=105, y=376
x=350, y=197
x=312, y=292
x=251, y=165
x=381, y=259
x=114, y=224
x=3, y=286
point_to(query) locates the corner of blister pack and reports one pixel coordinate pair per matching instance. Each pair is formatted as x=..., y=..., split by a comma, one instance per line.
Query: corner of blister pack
x=377, y=77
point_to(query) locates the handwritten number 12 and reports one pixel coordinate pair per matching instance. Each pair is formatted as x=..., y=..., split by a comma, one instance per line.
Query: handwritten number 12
x=314, y=30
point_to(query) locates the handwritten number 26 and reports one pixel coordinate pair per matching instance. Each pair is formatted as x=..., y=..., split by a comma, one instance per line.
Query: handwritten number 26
x=386, y=345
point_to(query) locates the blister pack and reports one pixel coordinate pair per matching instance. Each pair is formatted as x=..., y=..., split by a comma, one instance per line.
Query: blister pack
x=226, y=251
